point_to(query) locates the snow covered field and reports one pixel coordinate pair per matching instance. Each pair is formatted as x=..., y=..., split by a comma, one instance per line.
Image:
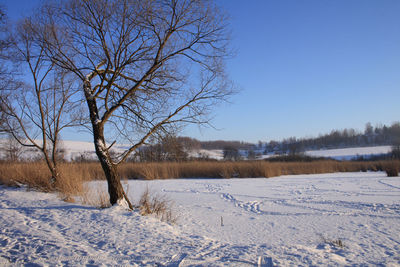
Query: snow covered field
x=295, y=220
x=350, y=153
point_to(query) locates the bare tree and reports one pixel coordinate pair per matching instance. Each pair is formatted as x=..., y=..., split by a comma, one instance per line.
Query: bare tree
x=4, y=44
x=144, y=66
x=167, y=148
x=34, y=104
x=4, y=41
x=231, y=153
x=12, y=149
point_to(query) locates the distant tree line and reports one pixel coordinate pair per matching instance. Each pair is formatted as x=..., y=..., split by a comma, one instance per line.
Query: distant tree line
x=220, y=144
x=173, y=148
x=168, y=148
x=372, y=136
x=178, y=148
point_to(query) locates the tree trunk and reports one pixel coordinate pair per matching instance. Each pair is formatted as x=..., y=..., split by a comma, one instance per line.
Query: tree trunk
x=55, y=175
x=52, y=165
x=115, y=189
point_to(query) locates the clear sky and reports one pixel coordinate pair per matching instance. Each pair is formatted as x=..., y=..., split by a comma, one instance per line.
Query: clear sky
x=304, y=67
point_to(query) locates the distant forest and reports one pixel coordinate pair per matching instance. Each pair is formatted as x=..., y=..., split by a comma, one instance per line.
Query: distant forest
x=371, y=136
x=172, y=148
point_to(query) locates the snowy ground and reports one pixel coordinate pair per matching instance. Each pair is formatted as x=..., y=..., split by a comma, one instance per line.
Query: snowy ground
x=282, y=218
x=350, y=153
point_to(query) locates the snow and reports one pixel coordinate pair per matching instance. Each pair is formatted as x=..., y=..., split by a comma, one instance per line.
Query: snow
x=123, y=203
x=350, y=153
x=338, y=154
x=217, y=154
x=288, y=219
x=75, y=149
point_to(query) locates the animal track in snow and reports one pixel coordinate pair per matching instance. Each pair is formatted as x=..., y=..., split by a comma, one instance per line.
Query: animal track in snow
x=252, y=206
x=389, y=185
x=213, y=188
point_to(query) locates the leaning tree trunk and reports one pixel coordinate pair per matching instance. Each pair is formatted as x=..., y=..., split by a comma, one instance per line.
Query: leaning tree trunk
x=53, y=168
x=115, y=189
x=55, y=177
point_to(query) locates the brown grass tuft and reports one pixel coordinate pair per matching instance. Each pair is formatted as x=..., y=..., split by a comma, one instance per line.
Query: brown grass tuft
x=33, y=175
x=338, y=243
x=392, y=170
x=97, y=198
x=36, y=176
x=160, y=206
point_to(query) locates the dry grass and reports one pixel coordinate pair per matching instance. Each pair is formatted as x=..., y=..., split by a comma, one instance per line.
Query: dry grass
x=96, y=198
x=36, y=176
x=71, y=184
x=392, y=170
x=338, y=243
x=157, y=205
x=244, y=169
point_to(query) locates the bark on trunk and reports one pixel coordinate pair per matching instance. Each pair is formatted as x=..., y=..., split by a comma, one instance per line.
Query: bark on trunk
x=52, y=165
x=54, y=177
x=115, y=189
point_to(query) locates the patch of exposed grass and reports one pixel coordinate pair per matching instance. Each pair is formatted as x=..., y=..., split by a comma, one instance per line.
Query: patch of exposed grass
x=96, y=198
x=160, y=206
x=337, y=243
x=392, y=170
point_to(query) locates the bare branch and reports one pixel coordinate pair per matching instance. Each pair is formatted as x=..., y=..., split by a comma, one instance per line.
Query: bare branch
x=144, y=66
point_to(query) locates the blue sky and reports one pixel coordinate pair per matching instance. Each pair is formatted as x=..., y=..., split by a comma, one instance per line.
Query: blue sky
x=304, y=67
x=309, y=66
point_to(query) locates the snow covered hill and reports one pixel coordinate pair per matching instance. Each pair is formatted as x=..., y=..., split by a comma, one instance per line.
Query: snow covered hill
x=347, y=219
x=350, y=153
x=77, y=149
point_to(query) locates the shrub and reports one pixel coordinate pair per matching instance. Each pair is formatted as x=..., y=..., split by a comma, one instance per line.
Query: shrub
x=97, y=198
x=392, y=170
x=160, y=206
x=296, y=158
x=332, y=242
x=36, y=176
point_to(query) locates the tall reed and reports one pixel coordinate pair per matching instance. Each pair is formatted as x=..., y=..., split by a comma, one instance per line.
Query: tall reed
x=74, y=175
